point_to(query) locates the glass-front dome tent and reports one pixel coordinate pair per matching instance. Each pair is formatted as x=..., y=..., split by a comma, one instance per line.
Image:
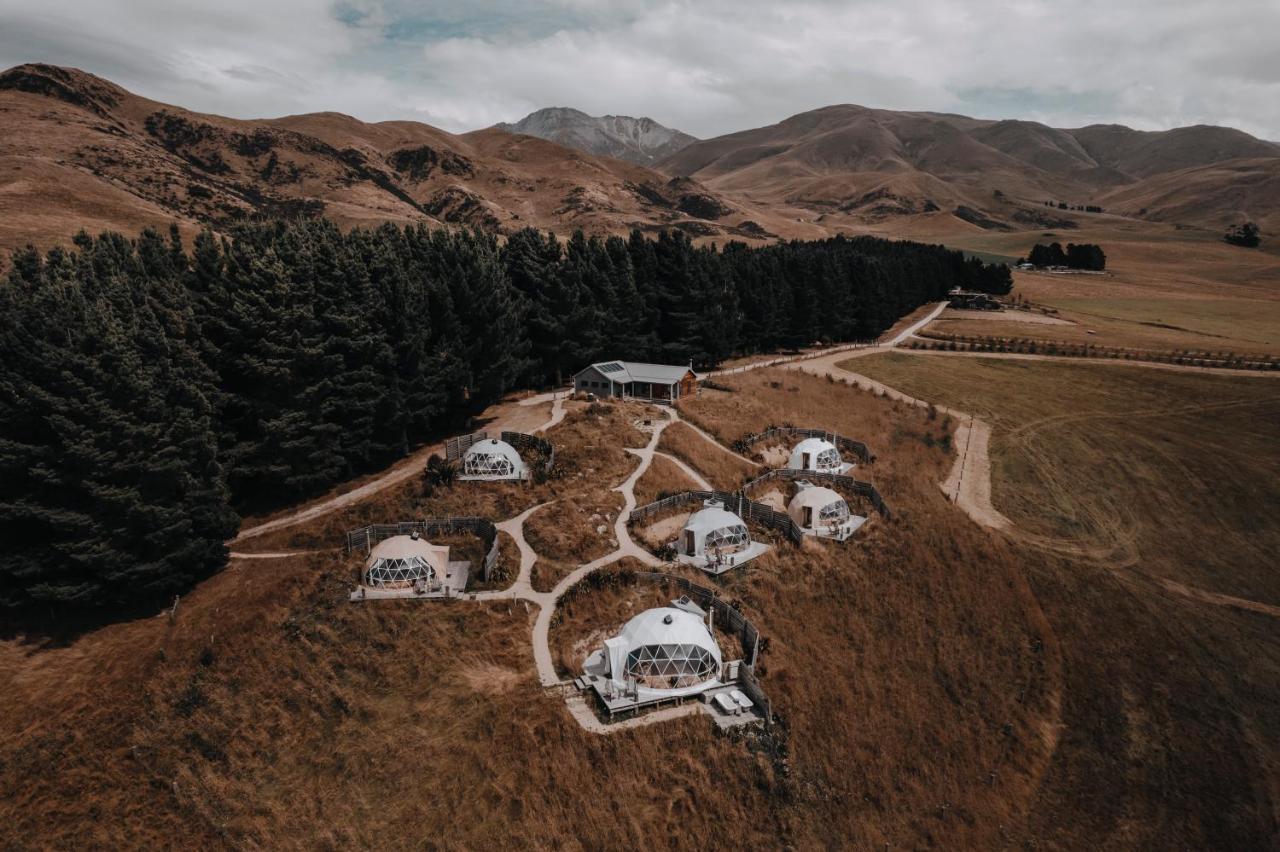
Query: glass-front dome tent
x=822, y=512
x=402, y=561
x=818, y=454
x=716, y=540
x=492, y=459
x=661, y=653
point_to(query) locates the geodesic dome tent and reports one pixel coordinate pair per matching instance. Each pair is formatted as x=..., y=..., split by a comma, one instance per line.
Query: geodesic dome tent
x=817, y=454
x=665, y=650
x=713, y=529
x=815, y=508
x=403, y=560
x=492, y=459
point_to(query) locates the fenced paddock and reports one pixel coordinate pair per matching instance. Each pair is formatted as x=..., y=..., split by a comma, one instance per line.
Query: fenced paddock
x=736, y=502
x=362, y=540
x=849, y=445
x=848, y=483
x=455, y=448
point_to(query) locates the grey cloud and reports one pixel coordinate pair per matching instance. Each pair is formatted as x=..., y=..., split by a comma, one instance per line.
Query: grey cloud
x=707, y=67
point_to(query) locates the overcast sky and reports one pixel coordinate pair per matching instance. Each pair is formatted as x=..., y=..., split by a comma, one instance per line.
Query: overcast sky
x=706, y=67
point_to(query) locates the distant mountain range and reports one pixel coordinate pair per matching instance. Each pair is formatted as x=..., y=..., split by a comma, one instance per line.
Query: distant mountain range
x=77, y=152
x=636, y=140
x=851, y=161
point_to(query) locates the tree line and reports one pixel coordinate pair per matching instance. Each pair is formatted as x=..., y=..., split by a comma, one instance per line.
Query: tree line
x=151, y=392
x=1075, y=256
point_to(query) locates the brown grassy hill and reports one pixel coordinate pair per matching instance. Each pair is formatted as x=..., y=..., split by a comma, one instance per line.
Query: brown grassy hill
x=828, y=164
x=915, y=676
x=80, y=152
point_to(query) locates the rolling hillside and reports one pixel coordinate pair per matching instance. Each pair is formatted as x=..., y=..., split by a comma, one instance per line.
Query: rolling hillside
x=848, y=164
x=80, y=152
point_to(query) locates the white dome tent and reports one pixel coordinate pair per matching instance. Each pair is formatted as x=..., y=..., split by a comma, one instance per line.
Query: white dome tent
x=406, y=561
x=822, y=512
x=819, y=455
x=493, y=460
x=661, y=653
x=715, y=540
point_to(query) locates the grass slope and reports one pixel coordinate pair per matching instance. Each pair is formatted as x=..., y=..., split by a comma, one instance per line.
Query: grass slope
x=1122, y=480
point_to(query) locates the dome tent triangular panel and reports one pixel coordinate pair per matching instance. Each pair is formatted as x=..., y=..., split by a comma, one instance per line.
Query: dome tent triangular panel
x=817, y=454
x=664, y=650
x=403, y=560
x=492, y=459
x=821, y=511
x=713, y=528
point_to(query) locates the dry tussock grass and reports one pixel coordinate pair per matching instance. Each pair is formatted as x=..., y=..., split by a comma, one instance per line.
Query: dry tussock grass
x=724, y=471
x=606, y=601
x=1171, y=736
x=573, y=531
x=662, y=478
x=911, y=670
x=589, y=450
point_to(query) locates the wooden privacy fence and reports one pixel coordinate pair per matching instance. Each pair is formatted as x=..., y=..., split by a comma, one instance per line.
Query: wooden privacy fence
x=731, y=620
x=858, y=448
x=365, y=538
x=455, y=448
x=848, y=483
x=524, y=443
x=736, y=502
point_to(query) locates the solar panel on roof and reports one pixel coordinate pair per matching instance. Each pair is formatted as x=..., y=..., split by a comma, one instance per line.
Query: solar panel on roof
x=611, y=368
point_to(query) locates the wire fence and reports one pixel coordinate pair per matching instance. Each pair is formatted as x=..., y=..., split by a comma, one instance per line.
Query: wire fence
x=363, y=539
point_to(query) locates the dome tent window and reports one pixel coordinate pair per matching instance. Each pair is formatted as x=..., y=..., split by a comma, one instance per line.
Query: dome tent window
x=662, y=652
x=728, y=538
x=715, y=539
x=819, y=455
x=834, y=513
x=670, y=666
x=822, y=512
x=405, y=561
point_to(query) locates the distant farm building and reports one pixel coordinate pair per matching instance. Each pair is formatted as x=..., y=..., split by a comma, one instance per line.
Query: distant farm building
x=822, y=512
x=660, y=654
x=968, y=300
x=630, y=380
x=819, y=455
x=715, y=540
x=492, y=459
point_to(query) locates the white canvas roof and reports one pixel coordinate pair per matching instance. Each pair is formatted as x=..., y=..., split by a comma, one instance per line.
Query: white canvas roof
x=494, y=447
x=813, y=447
x=666, y=625
x=634, y=371
x=405, y=547
x=815, y=497
x=712, y=518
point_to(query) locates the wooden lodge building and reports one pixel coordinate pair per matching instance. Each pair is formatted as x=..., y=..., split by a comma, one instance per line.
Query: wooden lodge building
x=629, y=380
